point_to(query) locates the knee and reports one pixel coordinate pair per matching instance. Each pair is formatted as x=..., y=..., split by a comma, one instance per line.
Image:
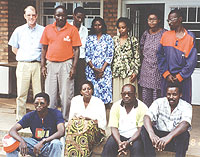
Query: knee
x=143, y=132
x=56, y=144
x=183, y=137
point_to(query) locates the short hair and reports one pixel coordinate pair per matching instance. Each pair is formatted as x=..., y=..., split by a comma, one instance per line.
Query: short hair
x=44, y=95
x=89, y=83
x=177, y=11
x=30, y=7
x=130, y=85
x=175, y=84
x=126, y=21
x=104, y=27
x=79, y=10
x=62, y=7
x=155, y=12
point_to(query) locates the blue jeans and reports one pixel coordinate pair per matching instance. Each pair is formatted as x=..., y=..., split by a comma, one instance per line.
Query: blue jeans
x=111, y=148
x=178, y=144
x=50, y=149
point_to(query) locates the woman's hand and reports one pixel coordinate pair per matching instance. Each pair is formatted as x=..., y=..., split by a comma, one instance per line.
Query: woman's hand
x=133, y=77
x=98, y=73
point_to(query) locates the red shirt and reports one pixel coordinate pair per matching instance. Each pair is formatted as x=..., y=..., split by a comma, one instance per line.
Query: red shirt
x=60, y=42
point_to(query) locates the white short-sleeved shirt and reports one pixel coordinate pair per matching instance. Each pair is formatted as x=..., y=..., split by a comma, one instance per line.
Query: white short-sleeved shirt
x=95, y=110
x=27, y=41
x=127, y=124
x=83, y=32
x=165, y=120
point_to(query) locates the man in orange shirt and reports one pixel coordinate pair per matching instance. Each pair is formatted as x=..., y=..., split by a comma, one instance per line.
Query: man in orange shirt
x=60, y=53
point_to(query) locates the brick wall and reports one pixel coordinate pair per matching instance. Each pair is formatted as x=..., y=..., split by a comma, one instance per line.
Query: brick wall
x=11, y=16
x=110, y=16
x=4, y=31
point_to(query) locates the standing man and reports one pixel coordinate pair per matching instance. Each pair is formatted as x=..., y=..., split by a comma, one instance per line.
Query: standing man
x=60, y=53
x=126, y=120
x=177, y=56
x=79, y=17
x=166, y=124
x=25, y=42
x=47, y=127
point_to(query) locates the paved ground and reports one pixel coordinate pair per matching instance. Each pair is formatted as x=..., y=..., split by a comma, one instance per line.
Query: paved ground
x=7, y=120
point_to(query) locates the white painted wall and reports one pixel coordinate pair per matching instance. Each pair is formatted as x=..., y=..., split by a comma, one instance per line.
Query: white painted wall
x=4, y=80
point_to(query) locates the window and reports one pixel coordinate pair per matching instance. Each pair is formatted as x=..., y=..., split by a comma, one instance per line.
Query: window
x=191, y=21
x=92, y=9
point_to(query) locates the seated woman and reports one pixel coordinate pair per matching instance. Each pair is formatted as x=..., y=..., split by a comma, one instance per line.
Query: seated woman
x=87, y=122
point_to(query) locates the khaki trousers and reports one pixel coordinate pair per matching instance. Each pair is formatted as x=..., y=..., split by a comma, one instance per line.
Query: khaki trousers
x=26, y=72
x=57, y=80
x=118, y=83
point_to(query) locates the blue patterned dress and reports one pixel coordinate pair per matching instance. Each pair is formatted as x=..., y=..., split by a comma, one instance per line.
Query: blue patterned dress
x=99, y=52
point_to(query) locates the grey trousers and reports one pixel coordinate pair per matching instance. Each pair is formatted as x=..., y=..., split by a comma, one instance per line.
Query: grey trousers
x=58, y=83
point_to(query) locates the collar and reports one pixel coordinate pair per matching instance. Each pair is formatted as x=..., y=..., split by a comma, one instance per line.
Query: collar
x=135, y=105
x=65, y=27
x=33, y=27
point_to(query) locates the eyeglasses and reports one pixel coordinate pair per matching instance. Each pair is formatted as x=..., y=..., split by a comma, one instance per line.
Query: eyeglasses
x=152, y=20
x=172, y=20
x=128, y=93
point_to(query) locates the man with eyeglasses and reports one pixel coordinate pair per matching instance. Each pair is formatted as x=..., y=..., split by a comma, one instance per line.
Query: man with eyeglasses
x=177, y=56
x=60, y=53
x=25, y=42
x=126, y=120
x=47, y=127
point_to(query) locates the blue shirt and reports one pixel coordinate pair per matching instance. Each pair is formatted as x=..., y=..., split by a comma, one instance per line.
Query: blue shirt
x=27, y=41
x=48, y=125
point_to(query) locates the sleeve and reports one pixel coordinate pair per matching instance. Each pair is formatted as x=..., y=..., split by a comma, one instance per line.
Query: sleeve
x=14, y=39
x=102, y=115
x=88, y=49
x=72, y=108
x=114, y=116
x=25, y=121
x=162, y=60
x=136, y=56
x=152, y=112
x=59, y=117
x=142, y=41
x=44, y=38
x=191, y=62
x=110, y=49
x=186, y=112
x=140, y=114
x=76, y=41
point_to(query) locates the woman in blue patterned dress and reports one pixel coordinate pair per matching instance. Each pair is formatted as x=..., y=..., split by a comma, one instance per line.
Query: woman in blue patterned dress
x=99, y=54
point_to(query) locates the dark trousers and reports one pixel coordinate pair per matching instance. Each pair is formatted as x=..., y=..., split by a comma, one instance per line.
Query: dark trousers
x=178, y=144
x=80, y=75
x=111, y=148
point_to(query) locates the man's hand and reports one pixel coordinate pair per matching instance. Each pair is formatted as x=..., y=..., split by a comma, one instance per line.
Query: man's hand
x=154, y=139
x=44, y=72
x=72, y=73
x=162, y=143
x=23, y=148
x=123, y=148
x=171, y=78
x=37, y=148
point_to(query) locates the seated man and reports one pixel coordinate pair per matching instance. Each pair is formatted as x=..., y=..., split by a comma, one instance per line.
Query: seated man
x=126, y=120
x=47, y=126
x=172, y=117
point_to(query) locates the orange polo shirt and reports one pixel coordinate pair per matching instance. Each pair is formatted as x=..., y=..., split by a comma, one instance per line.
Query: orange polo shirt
x=60, y=43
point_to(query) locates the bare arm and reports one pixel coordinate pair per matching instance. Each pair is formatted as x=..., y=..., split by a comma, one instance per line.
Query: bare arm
x=76, y=51
x=43, y=60
x=182, y=127
x=14, y=133
x=14, y=50
x=148, y=125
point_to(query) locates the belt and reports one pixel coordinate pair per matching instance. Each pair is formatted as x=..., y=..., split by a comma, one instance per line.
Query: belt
x=34, y=61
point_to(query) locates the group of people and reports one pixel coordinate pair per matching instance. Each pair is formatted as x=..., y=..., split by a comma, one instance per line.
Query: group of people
x=99, y=70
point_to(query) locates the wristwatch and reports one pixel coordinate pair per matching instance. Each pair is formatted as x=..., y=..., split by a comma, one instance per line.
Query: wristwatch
x=130, y=142
x=93, y=67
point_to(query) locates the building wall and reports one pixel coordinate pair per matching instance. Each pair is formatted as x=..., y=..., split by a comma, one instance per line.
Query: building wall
x=110, y=15
x=3, y=31
x=11, y=16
